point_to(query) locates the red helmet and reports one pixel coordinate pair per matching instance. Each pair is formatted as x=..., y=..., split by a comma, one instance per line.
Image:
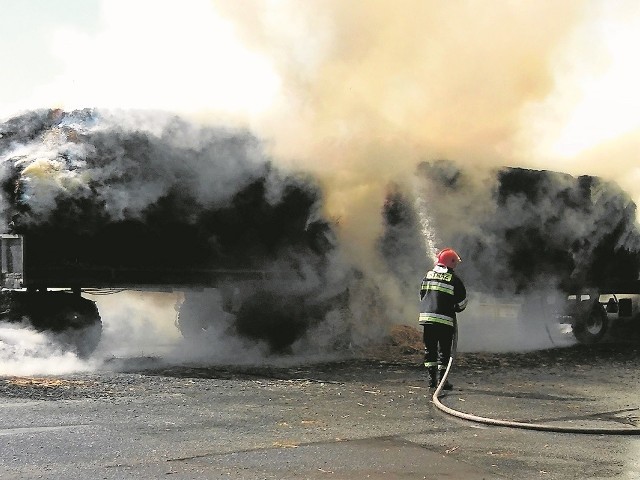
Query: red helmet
x=448, y=257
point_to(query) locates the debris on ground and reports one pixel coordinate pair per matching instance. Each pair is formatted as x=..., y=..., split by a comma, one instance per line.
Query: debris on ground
x=402, y=343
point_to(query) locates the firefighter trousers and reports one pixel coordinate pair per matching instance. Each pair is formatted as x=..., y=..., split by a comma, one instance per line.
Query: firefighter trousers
x=438, y=340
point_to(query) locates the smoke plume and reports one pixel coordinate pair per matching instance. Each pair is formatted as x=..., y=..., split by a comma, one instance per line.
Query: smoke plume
x=373, y=88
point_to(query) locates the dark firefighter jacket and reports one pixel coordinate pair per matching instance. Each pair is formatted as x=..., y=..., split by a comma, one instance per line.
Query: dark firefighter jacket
x=442, y=294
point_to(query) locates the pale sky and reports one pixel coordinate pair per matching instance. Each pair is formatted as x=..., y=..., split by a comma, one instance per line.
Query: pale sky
x=27, y=32
x=149, y=54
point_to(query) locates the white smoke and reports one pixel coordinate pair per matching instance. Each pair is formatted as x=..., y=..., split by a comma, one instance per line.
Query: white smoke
x=24, y=351
x=137, y=324
x=509, y=323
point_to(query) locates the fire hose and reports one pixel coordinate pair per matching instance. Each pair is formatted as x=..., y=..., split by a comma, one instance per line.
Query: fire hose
x=513, y=424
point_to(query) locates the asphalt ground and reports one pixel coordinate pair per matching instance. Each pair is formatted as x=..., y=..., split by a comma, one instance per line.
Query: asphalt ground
x=349, y=419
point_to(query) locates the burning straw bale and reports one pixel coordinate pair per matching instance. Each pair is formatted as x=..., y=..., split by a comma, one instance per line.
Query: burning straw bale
x=520, y=229
x=114, y=194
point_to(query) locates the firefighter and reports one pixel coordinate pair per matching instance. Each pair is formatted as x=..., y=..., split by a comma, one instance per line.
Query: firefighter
x=442, y=295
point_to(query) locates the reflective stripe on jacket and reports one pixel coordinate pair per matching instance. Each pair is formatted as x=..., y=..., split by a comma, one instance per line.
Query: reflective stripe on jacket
x=435, y=318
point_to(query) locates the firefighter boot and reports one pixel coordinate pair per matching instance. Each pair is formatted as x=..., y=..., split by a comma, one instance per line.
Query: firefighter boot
x=433, y=377
x=447, y=385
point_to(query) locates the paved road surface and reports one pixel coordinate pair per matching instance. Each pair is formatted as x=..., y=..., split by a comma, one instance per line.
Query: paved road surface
x=344, y=420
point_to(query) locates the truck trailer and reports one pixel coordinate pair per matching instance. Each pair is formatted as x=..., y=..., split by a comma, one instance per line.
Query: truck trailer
x=48, y=295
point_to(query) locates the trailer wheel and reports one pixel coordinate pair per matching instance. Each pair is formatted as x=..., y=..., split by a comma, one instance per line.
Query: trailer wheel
x=273, y=318
x=590, y=325
x=73, y=321
x=77, y=325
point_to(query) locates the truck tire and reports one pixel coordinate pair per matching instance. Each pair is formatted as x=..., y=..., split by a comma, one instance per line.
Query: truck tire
x=276, y=319
x=79, y=327
x=590, y=324
x=259, y=315
x=73, y=321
